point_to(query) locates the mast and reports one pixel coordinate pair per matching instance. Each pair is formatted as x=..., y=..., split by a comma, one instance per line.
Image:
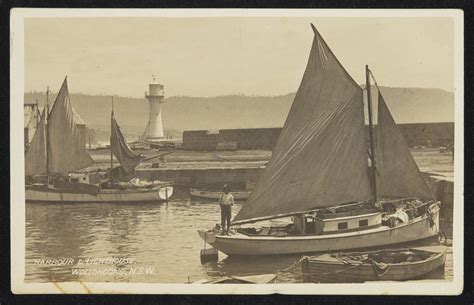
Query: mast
x=111, y=153
x=371, y=133
x=47, y=135
x=37, y=114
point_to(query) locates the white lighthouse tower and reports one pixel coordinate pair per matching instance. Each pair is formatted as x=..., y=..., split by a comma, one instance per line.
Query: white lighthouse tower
x=155, y=97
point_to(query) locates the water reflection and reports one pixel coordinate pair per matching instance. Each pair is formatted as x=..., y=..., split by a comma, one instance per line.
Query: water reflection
x=285, y=267
x=157, y=235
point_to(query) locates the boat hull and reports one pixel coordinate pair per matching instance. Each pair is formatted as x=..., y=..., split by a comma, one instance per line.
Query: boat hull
x=244, y=195
x=52, y=195
x=240, y=244
x=317, y=271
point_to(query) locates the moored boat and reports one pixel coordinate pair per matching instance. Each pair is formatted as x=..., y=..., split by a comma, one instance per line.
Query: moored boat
x=293, y=238
x=342, y=189
x=383, y=265
x=56, y=156
x=41, y=193
x=213, y=195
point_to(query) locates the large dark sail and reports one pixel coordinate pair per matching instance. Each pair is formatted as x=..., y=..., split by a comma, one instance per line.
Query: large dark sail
x=399, y=175
x=65, y=150
x=121, y=150
x=321, y=147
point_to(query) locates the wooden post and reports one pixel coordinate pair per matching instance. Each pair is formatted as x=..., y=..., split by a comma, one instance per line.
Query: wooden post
x=371, y=133
x=303, y=225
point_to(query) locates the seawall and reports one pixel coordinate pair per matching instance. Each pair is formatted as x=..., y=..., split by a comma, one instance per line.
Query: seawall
x=195, y=177
x=423, y=134
x=185, y=178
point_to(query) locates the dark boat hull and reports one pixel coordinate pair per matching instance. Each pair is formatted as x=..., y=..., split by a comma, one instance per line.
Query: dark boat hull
x=320, y=270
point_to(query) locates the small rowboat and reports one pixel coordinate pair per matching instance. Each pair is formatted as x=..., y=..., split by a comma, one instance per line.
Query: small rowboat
x=238, y=195
x=383, y=265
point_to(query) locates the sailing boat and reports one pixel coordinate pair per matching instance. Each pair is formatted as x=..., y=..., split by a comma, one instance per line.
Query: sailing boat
x=56, y=154
x=338, y=194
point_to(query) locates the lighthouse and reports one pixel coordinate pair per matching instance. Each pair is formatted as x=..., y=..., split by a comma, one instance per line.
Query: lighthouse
x=155, y=97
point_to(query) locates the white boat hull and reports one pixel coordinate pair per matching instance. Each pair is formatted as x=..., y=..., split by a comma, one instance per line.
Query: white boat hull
x=241, y=195
x=133, y=195
x=240, y=244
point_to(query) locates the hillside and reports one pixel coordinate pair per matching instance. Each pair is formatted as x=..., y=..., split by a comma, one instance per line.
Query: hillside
x=408, y=105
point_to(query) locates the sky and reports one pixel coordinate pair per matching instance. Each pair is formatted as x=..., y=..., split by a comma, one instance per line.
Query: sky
x=230, y=55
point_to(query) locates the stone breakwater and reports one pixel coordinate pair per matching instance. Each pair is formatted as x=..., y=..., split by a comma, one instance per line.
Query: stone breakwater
x=442, y=187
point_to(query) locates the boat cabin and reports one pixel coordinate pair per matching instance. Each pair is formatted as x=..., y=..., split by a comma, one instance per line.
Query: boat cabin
x=337, y=220
x=346, y=218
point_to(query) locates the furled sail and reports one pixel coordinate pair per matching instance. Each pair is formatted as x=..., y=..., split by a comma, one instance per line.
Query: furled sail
x=121, y=150
x=320, y=159
x=35, y=158
x=398, y=174
x=66, y=151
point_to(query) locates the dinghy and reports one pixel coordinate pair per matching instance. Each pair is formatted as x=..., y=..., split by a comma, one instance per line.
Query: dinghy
x=382, y=265
x=212, y=195
x=56, y=155
x=343, y=189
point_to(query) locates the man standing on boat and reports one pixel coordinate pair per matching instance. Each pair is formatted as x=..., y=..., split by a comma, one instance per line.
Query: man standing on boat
x=226, y=201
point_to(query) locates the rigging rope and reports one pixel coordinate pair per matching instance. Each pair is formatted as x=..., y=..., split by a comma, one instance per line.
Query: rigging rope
x=373, y=78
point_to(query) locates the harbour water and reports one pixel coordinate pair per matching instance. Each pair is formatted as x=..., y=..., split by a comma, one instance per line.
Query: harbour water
x=161, y=238
x=155, y=235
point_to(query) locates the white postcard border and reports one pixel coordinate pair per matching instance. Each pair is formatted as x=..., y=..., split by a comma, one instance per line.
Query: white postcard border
x=17, y=204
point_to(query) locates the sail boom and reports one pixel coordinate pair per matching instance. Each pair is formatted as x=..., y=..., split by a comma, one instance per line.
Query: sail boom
x=258, y=219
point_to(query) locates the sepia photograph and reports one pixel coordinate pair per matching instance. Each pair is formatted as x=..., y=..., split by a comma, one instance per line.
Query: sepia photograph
x=199, y=151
